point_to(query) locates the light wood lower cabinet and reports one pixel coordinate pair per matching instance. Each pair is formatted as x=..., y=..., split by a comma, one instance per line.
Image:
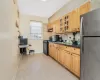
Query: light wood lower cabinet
x=55, y=53
x=66, y=57
x=61, y=56
x=50, y=50
x=76, y=64
x=58, y=56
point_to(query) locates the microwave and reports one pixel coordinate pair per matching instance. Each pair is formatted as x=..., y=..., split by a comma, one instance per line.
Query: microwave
x=54, y=38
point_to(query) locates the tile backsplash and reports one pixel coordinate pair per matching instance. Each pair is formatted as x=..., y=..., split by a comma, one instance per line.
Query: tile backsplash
x=70, y=36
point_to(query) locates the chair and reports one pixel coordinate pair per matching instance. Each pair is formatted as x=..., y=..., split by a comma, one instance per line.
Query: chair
x=31, y=51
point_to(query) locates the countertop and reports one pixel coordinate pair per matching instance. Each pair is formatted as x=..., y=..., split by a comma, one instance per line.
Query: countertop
x=62, y=43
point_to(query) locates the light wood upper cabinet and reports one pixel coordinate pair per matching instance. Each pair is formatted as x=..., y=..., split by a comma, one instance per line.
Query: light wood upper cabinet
x=82, y=10
x=85, y=8
x=76, y=64
x=68, y=22
x=74, y=20
x=57, y=24
x=53, y=26
x=49, y=25
x=71, y=21
x=62, y=24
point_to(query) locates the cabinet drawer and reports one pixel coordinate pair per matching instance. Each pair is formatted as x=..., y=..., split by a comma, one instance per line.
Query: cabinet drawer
x=61, y=47
x=76, y=51
x=68, y=48
x=72, y=50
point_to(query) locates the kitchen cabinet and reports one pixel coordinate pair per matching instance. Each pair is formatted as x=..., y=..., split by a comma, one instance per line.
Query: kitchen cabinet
x=85, y=8
x=51, y=49
x=62, y=24
x=70, y=22
x=82, y=10
x=74, y=20
x=61, y=56
x=54, y=27
x=58, y=54
x=67, y=22
x=49, y=25
x=76, y=64
x=55, y=53
x=57, y=26
x=67, y=59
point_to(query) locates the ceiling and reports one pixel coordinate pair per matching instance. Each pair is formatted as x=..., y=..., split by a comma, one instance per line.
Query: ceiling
x=40, y=8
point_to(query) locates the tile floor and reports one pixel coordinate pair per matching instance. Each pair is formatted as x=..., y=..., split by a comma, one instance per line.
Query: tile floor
x=42, y=67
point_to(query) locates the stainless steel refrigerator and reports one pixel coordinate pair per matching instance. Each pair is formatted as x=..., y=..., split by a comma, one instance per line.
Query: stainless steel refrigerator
x=90, y=45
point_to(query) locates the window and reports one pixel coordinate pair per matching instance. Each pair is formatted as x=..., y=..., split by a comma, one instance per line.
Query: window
x=35, y=30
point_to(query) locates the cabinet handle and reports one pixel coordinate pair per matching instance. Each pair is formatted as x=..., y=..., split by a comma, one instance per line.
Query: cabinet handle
x=68, y=52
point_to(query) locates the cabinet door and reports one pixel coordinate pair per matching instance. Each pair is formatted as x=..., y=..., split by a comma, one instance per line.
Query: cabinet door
x=58, y=55
x=50, y=49
x=67, y=59
x=69, y=26
x=54, y=51
x=48, y=25
x=82, y=10
x=54, y=27
x=76, y=64
x=62, y=25
x=58, y=26
x=74, y=20
x=85, y=8
x=61, y=56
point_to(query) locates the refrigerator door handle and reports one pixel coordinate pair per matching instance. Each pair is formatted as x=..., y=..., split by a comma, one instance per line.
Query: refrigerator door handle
x=82, y=37
x=82, y=30
x=82, y=45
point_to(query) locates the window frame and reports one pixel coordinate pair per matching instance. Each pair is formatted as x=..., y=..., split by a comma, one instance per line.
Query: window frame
x=36, y=33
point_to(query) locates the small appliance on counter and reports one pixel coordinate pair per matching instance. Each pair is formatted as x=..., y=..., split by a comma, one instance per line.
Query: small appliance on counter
x=54, y=38
x=60, y=39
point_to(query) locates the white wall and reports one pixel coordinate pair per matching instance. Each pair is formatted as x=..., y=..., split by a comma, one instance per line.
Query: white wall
x=9, y=57
x=37, y=45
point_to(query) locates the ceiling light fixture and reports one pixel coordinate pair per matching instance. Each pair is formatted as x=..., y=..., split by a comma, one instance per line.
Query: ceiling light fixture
x=43, y=0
